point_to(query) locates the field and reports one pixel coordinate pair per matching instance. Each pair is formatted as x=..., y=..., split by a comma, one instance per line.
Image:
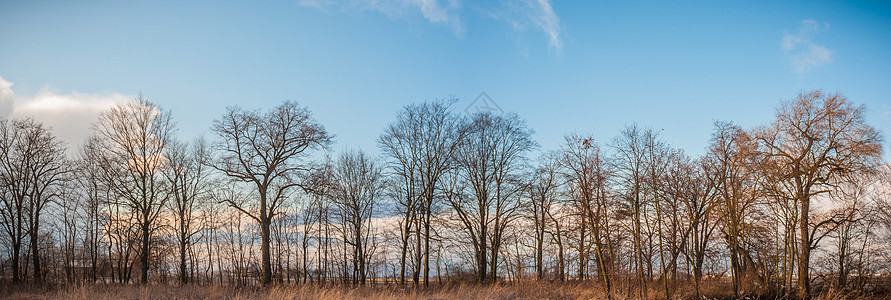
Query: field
x=526, y=290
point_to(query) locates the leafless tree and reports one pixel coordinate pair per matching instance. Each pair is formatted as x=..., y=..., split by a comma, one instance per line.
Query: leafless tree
x=543, y=196
x=731, y=152
x=490, y=158
x=15, y=189
x=587, y=176
x=88, y=179
x=358, y=184
x=47, y=173
x=135, y=135
x=69, y=221
x=419, y=145
x=850, y=216
x=32, y=168
x=630, y=160
x=764, y=207
x=266, y=150
x=696, y=187
x=188, y=183
x=815, y=139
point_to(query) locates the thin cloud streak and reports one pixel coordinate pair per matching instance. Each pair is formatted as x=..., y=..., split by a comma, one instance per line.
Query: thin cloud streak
x=434, y=11
x=547, y=20
x=520, y=15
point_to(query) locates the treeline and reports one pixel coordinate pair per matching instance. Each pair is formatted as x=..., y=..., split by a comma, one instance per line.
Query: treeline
x=450, y=197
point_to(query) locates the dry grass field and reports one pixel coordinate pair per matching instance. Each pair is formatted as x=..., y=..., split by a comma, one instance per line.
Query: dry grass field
x=529, y=290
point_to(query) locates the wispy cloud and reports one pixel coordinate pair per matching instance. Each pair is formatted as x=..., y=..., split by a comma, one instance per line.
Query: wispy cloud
x=71, y=115
x=542, y=14
x=525, y=15
x=521, y=15
x=803, y=53
x=434, y=11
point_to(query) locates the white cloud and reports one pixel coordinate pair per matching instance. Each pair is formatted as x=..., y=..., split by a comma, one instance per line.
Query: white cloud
x=530, y=14
x=70, y=115
x=6, y=97
x=803, y=53
x=520, y=15
x=543, y=15
x=434, y=11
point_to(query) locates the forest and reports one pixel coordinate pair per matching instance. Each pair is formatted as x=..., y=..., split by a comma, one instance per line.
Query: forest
x=797, y=207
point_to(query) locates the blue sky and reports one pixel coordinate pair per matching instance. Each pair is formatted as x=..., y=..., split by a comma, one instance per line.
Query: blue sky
x=565, y=66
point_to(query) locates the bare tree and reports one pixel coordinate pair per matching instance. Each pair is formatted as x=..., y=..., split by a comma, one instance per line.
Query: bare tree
x=401, y=144
x=88, y=178
x=489, y=158
x=358, y=184
x=854, y=210
x=731, y=152
x=543, y=195
x=70, y=219
x=816, y=138
x=420, y=144
x=135, y=136
x=15, y=190
x=188, y=182
x=32, y=166
x=587, y=175
x=265, y=150
x=630, y=169
x=46, y=172
x=697, y=191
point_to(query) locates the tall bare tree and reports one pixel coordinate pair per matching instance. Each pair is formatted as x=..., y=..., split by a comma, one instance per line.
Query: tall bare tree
x=188, y=183
x=419, y=145
x=46, y=173
x=15, y=189
x=588, y=175
x=490, y=158
x=32, y=165
x=815, y=139
x=630, y=160
x=89, y=182
x=135, y=135
x=358, y=184
x=543, y=196
x=266, y=150
x=731, y=152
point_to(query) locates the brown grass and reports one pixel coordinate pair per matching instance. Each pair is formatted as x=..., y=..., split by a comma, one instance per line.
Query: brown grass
x=527, y=290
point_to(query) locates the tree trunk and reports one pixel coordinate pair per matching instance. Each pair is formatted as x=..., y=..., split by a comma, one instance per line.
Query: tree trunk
x=16, y=251
x=804, y=259
x=427, y=214
x=144, y=257
x=183, y=276
x=264, y=249
x=360, y=253
x=481, y=253
x=406, y=235
x=35, y=251
x=539, y=252
x=416, y=274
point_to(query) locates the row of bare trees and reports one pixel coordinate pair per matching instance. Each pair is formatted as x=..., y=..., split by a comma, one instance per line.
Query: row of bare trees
x=452, y=197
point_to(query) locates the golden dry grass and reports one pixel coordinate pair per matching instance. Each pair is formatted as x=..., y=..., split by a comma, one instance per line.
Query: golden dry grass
x=526, y=290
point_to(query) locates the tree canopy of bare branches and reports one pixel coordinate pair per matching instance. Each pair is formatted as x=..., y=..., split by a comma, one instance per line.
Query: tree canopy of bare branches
x=760, y=212
x=135, y=135
x=815, y=139
x=268, y=151
x=489, y=159
x=32, y=168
